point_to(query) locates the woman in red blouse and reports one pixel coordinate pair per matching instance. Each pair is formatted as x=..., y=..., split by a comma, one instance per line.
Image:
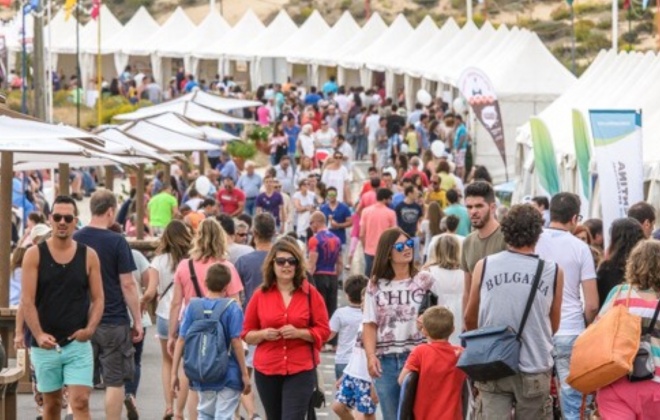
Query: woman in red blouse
x=286, y=319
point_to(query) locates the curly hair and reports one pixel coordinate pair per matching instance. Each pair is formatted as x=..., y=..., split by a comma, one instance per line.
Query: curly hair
x=522, y=226
x=210, y=242
x=643, y=267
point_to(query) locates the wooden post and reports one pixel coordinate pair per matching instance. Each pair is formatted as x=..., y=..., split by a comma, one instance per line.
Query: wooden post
x=109, y=178
x=6, y=179
x=203, y=162
x=139, y=202
x=64, y=179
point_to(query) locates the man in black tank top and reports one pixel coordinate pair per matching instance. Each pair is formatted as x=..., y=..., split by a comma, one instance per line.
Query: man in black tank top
x=62, y=300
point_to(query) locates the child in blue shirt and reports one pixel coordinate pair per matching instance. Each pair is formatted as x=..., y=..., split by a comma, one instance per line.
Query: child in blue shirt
x=217, y=400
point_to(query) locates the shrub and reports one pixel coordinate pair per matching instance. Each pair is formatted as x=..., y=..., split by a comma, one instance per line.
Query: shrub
x=242, y=149
x=583, y=30
x=590, y=7
x=478, y=19
x=345, y=5
x=560, y=13
x=605, y=24
x=628, y=38
x=597, y=42
x=644, y=27
x=549, y=30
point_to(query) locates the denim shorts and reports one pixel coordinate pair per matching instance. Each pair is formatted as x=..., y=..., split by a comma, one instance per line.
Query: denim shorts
x=162, y=328
x=355, y=394
x=73, y=364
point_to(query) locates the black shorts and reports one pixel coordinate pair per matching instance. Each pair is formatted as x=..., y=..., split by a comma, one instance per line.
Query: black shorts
x=113, y=348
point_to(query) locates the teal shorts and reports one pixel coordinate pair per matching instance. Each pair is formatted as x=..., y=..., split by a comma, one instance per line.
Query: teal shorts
x=72, y=365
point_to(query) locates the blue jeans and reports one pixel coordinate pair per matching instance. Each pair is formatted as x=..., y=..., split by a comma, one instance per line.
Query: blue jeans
x=250, y=205
x=132, y=386
x=368, y=264
x=292, y=158
x=571, y=400
x=339, y=369
x=387, y=386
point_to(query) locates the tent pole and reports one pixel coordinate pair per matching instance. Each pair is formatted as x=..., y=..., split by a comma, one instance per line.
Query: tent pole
x=139, y=202
x=109, y=178
x=64, y=179
x=6, y=178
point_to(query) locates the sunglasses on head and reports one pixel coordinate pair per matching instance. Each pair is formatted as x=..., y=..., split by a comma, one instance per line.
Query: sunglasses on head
x=400, y=246
x=281, y=261
x=68, y=218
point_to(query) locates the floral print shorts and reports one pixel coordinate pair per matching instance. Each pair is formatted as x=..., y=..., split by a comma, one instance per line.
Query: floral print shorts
x=356, y=394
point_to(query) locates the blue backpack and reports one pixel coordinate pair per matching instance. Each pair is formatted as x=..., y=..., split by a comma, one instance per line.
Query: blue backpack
x=207, y=345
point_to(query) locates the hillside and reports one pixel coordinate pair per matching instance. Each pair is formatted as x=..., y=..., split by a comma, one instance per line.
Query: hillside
x=550, y=19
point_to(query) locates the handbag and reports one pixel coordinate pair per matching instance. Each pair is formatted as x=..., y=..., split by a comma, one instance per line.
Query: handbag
x=493, y=352
x=318, y=397
x=430, y=299
x=605, y=351
x=643, y=365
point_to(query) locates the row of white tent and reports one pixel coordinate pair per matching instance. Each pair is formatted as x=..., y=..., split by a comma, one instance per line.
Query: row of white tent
x=613, y=81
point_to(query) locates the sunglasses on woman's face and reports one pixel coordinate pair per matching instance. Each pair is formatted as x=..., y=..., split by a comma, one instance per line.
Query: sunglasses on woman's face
x=286, y=261
x=400, y=246
x=68, y=218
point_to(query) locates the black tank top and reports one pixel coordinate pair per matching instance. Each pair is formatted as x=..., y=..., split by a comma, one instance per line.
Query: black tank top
x=62, y=294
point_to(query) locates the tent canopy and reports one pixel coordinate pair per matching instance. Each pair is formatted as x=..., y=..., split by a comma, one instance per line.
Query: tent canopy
x=213, y=27
x=371, y=31
x=417, y=39
x=279, y=30
x=248, y=27
x=189, y=110
x=417, y=57
x=140, y=26
x=89, y=39
x=313, y=28
x=177, y=27
x=398, y=31
x=215, y=102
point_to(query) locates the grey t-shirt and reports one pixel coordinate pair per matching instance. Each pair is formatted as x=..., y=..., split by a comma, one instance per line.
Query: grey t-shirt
x=504, y=290
x=249, y=269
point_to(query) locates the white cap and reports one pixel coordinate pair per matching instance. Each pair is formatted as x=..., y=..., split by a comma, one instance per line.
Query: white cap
x=39, y=230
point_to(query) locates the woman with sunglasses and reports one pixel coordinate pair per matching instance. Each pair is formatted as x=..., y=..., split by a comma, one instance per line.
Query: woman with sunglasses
x=286, y=319
x=394, y=294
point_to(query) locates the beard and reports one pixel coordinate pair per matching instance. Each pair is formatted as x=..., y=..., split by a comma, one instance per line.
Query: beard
x=478, y=224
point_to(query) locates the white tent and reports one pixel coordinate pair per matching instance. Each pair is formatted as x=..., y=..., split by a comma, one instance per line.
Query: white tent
x=398, y=31
x=177, y=26
x=263, y=68
x=189, y=110
x=160, y=137
x=61, y=33
x=333, y=40
x=246, y=28
x=372, y=30
x=413, y=42
x=314, y=28
x=13, y=33
x=215, y=102
x=212, y=28
x=140, y=26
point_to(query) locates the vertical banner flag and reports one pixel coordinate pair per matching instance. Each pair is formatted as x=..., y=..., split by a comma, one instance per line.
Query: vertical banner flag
x=618, y=149
x=96, y=9
x=583, y=158
x=479, y=92
x=545, y=164
x=68, y=8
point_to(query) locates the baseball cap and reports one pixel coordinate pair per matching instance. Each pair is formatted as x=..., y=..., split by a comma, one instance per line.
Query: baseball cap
x=39, y=230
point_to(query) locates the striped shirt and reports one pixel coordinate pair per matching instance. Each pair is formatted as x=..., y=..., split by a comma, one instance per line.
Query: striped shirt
x=642, y=303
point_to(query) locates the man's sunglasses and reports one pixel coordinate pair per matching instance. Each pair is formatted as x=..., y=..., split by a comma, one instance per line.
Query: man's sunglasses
x=286, y=261
x=400, y=246
x=68, y=218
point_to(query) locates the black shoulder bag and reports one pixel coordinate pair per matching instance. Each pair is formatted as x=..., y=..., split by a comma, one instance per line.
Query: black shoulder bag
x=193, y=277
x=318, y=397
x=493, y=352
x=643, y=366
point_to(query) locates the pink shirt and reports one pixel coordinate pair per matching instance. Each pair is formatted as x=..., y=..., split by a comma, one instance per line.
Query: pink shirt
x=182, y=277
x=368, y=199
x=375, y=220
x=263, y=115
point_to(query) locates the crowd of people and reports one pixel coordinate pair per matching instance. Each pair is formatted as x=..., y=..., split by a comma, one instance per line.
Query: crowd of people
x=253, y=264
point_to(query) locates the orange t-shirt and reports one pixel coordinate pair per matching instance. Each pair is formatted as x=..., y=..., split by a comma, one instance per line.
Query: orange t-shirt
x=440, y=381
x=195, y=218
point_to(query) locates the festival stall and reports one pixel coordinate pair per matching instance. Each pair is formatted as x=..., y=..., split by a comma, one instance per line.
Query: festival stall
x=139, y=27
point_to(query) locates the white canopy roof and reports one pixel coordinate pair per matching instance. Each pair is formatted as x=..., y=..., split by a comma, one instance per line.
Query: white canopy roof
x=413, y=42
x=62, y=31
x=110, y=27
x=416, y=58
x=247, y=28
x=174, y=122
x=335, y=39
x=371, y=31
x=212, y=28
x=313, y=28
x=441, y=57
x=189, y=110
x=177, y=27
x=279, y=30
x=140, y=26
x=216, y=102
x=13, y=31
x=163, y=138
x=397, y=32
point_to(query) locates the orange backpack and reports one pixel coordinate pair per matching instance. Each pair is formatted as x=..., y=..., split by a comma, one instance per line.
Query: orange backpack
x=605, y=351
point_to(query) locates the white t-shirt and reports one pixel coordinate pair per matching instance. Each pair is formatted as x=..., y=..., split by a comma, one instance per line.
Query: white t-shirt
x=343, y=103
x=372, y=124
x=347, y=151
x=357, y=365
x=161, y=263
x=142, y=264
x=194, y=203
x=449, y=285
x=432, y=243
x=324, y=138
x=336, y=178
x=345, y=322
x=302, y=219
x=306, y=145
x=574, y=257
x=393, y=307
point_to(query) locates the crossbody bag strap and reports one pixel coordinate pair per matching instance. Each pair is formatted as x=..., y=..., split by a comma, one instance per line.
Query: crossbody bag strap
x=193, y=277
x=532, y=295
x=167, y=289
x=651, y=326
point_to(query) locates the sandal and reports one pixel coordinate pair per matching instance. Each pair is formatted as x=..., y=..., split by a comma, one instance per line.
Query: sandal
x=169, y=414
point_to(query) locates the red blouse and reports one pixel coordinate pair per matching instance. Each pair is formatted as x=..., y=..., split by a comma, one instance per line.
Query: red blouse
x=287, y=357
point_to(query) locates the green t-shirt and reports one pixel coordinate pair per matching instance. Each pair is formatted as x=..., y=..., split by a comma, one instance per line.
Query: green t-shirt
x=475, y=248
x=161, y=207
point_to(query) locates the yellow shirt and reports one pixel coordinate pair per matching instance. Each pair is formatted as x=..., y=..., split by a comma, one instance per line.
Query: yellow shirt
x=447, y=182
x=411, y=138
x=439, y=196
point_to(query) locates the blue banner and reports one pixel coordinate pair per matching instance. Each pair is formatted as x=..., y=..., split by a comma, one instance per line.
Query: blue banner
x=610, y=126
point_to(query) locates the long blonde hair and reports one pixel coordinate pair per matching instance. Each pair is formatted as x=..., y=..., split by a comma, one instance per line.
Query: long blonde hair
x=447, y=252
x=210, y=242
x=176, y=242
